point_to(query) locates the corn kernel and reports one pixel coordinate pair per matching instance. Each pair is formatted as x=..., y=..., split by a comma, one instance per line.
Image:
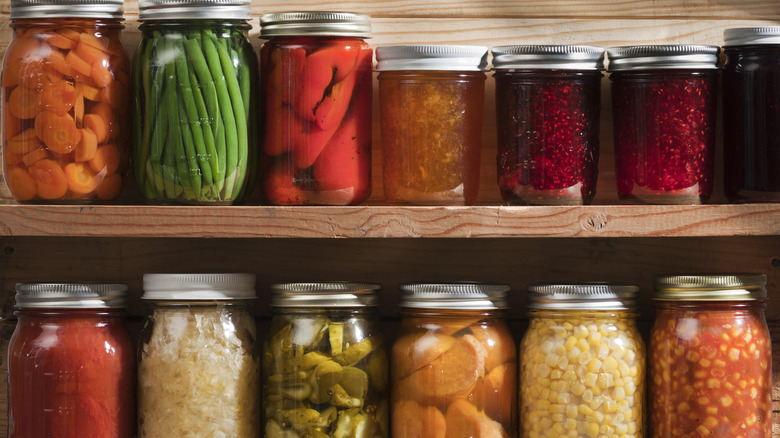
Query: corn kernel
x=590, y=379
x=572, y=411
x=557, y=408
x=611, y=406
x=726, y=401
x=587, y=395
x=594, y=338
x=583, y=345
x=570, y=342
x=703, y=430
x=610, y=364
x=592, y=430
x=570, y=424
x=594, y=365
x=619, y=394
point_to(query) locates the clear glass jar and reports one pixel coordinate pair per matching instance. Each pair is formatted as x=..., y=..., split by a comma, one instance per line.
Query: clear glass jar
x=71, y=363
x=751, y=114
x=65, y=102
x=430, y=104
x=710, y=357
x=548, y=100
x=582, y=362
x=664, y=106
x=454, y=362
x=316, y=114
x=198, y=357
x=195, y=76
x=325, y=362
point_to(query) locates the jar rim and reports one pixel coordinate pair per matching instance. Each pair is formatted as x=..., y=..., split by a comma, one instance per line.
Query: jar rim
x=74, y=295
x=663, y=56
x=109, y=9
x=332, y=294
x=440, y=57
x=199, y=287
x=710, y=287
x=566, y=57
x=583, y=296
x=315, y=23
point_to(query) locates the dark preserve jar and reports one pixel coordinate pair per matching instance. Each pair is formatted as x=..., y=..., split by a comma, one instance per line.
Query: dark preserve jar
x=548, y=100
x=751, y=114
x=194, y=102
x=71, y=367
x=316, y=112
x=664, y=101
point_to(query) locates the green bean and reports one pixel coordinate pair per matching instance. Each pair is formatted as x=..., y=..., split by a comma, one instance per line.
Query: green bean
x=159, y=130
x=236, y=98
x=192, y=168
x=142, y=110
x=172, y=169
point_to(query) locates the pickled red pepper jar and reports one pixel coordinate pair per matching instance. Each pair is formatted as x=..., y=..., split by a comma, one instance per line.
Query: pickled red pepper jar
x=65, y=102
x=194, y=103
x=751, y=114
x=454, y=362
x=430, y=103
x=325, y=362
x=71, y=362
x=198, y=357
x=710, y=355
x=664, y=101
x=316, y=107
x=582, y=362
x=548, y=100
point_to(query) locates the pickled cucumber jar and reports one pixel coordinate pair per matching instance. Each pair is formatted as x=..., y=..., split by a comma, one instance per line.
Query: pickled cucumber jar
x=710, y=357
x=582, y=362
x=198, y=357
x=325, y=362
x=66, y=102
x=194, y=102
x=454, y=362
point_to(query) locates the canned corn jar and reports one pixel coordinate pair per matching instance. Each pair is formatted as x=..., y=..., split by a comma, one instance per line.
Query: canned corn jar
x=582, y=362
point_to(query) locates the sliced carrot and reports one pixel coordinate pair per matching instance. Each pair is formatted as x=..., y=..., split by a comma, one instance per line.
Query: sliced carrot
x=89, y=92
x=90, y=54
x=23, y=103
x=464, y=420
x=11, y=72
x=21, y=184
x=117, y=95
x=50, y=179
x=57, y=97
x=106, y=159
x=12, y=160
x=451, y=325
x=78, y=110
x=59, y=41
x=34, y=32
x=415, y=350
x=498, y=393
x=23, y=47
x=78, y=64
x=23, y=143
x=106, y=113
x=110, y=187
x=101, y=74
x=410, y=420
x=497, y=341
x=95, y=42
x=33, y=156
x=87, y=147
x=57, y=131
x=96, y=124
x=56, y=61
x=70, y=34
x=12, y=125
x=32, y=72
x=81, y=179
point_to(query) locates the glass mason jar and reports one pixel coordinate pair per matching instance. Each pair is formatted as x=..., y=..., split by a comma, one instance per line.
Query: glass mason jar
x=582, y=362
x=65, y=102
x=664, y=106
x=751, y=114
x=710, y=356
x=195, y=76
x=548, y=100
x=454, y=363
x=430, y=104
x=71, y=363
x=198, y=358
x=316, y=114
x=325, y=362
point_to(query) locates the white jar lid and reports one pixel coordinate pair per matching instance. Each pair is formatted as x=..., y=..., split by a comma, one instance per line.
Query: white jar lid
x=431, y=57
x=199, y=287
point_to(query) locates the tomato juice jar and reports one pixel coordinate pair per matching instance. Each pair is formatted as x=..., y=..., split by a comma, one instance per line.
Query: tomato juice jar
x=71, y=362
x=548, y=100
x=65, y=102
x=316, y=107
x=710, y=357
x=430, y=103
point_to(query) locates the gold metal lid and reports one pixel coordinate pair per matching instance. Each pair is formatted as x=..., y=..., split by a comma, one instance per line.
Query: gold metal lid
x=710, y=287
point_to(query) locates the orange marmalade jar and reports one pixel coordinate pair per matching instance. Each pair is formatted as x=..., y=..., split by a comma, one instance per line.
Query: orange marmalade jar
x=710, y=357
x=65, y=97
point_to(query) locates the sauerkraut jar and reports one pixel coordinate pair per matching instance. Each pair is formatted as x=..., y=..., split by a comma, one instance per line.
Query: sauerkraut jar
x=198, y=360
x=582, y=362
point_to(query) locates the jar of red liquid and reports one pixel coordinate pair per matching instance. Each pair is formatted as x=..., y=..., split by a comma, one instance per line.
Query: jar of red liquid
x=710, y=357
x=71, y=367
x=548, y=100
x=65, y=102
x=664, y=102
x=430, y=104
x=751, y=114
x=316, y=107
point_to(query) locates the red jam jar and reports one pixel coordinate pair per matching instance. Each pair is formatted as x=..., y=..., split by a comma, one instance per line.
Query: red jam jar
x=664, y=106
x=71, y=367
x=316, y=92
x=548, y=100
x=751, y=114
x=710, y=357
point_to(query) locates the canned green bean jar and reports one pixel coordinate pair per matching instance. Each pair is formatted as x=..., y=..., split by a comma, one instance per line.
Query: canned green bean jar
x=194, y=80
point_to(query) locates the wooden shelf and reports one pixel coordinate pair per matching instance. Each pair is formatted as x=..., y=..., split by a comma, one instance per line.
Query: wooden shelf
x=390, y=221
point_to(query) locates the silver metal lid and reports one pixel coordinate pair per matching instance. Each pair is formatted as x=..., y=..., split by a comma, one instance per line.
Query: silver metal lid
x=693, y=57
x=431, y=57
x=454, y=296
x=111, y=9
x=329, y=294
x=548, y=57
x=710, y=287
x=199, y=287
x=582, y=296
x=315, y=23
x=71, y=295
x=153, y=10
x=742, y=36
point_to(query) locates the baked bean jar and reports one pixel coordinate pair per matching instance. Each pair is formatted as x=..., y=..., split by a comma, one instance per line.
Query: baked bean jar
x=65, y=102
x=430, y=108
x=548, y=100
x=453, y=364
x=664, y=106
x=710, y=356
x=582, y=362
